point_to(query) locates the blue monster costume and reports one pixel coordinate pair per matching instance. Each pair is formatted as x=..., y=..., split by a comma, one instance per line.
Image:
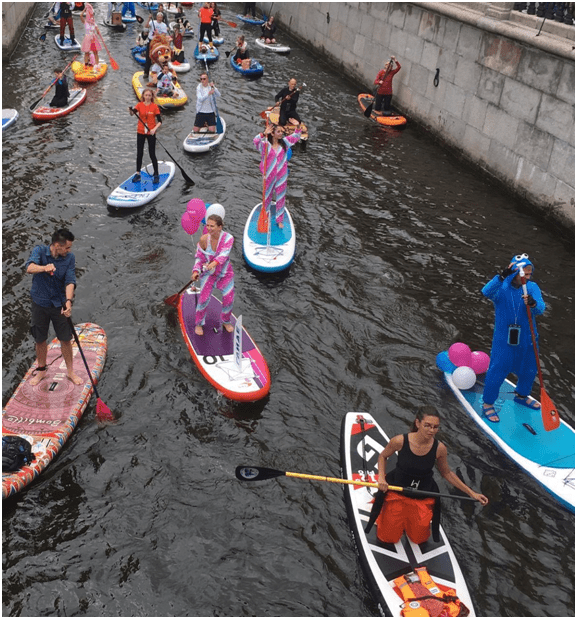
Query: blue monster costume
x=510, y=310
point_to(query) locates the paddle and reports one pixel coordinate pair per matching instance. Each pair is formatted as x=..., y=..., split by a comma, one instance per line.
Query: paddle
x=264, y=114
x=230, y=23
x=549, y=413
x=184, y=174
x=52, y=83
x=173, y=299
x=259, y=473
x=113, y=62
x=218, y=121
x=263, y=223
x=369, y=109
x=103, y=413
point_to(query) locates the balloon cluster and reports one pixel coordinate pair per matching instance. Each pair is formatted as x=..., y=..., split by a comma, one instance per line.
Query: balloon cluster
x=462, y=364
x=197, y=213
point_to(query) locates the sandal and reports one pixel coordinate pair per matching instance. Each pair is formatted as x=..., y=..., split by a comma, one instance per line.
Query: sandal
x=490, y=414
x=524, y=401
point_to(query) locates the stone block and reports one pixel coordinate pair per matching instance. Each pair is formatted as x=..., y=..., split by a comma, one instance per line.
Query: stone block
x=382, y=38
x=500, y=126
x=436, y=94
x=397, y=43
x=430, y=56
x=367, y=26
x=503, y=161
x=534, y=181
x=354, y=21
x=467, y=74
x=454, y=101
x=452, y=128
x=533, y=144
x=335, y=34
x=539, y=70
x=447, y=65
x=429, y=26
x=475, y=144
x=412, y=19
x=564, y=202
x=490, y=86
x=469, y=43
x=566, y=85
x=343, y=9
x=397, y=14
x=413, y=48
x=451, y=32
x=500, y=54
x=475, y=112
x=520, y=100
x=556, y=117
x=562, y=162
x=418, y=78
x=359, y=45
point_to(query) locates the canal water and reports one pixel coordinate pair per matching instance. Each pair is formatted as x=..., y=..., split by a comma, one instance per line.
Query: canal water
x=395, y=239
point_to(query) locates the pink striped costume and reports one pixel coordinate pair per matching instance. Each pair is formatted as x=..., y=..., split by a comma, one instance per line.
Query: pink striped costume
x=222, y=276
x=276, y=170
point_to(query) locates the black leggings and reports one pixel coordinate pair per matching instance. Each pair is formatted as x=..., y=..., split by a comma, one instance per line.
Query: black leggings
x=205, y=29
x=140, y=139
x=383, y=103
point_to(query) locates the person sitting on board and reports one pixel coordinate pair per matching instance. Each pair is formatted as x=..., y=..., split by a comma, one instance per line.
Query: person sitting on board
x=205, y=14
x=216, y=15
x=181, y=20
x=177, y=45
x=241, y=50
x=214, y=269
x=272, y=146
x=128, y=7
x=268, y=30
x=418, y=452
x=205, y=105
x=142, y=39
x=61, y=92
x=250, y=10
x=156, y=26
x=149, y=122
x=512, y=349
x=90, y=42
x=53, y=283
x=165, y=84
x=65, y=11
x=384, y=81
x=288, y=98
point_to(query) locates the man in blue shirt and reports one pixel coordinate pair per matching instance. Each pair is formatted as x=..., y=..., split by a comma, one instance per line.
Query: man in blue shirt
x=52, y=292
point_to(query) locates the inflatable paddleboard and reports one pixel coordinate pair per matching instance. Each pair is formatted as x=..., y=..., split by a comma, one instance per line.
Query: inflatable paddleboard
x=255, y=69
x=276, y=255
x=179, y=67
x=204, y=140
x=213, y=352
x=215, y=40
x=45, y=112
x=139, y=84
x=89, y=74
x=273, y=47
x=130, y=194
x=289, y=128
x=250, y=20
x=46, y=414
x=395, y=120
x=210, y=55
x=9, y=117
x=362, y=440
x=138, y=53
x=549, y=457
x=68, y=46
x=128, y=19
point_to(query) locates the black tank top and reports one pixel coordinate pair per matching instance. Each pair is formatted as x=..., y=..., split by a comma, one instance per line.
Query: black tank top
x=412, y=470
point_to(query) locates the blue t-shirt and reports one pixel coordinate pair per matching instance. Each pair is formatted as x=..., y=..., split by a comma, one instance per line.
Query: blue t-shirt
x=50, y=290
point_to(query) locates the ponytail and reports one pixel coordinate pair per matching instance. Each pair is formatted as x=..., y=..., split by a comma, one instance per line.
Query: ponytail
x=422, y=412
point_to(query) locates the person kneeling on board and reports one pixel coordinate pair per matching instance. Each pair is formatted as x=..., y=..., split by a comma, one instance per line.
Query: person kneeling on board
x=418, y=452
x=384, y=81
x=214, y=269
x=61, y=92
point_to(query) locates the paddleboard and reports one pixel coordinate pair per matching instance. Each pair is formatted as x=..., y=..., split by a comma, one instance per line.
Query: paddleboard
x=139, y=84
x=204, y=141
x=213, y=352
x=128, y=19
x=289, y=128
x=68, y=46
x=381, y=562
x=250, y=20
x=179, y=67
x=210, y=55
x=130, y=194
x=148, y=6
x=9, y=117
x=395, y=120
x=46, y=414
x=215, y=40
x=138, y=53
x=255, y=69
x=549, y=457
x=45, y=112
x=273, y=47
x=280, y=253
x=117, y=27
x=89, y=74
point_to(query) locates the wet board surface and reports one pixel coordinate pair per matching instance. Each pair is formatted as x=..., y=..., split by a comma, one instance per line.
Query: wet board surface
x=394, y=120
x=130, y=194
x=89, y=74
x=68, y=46
x=45, y=112
x=203, y=141
x=273, y=47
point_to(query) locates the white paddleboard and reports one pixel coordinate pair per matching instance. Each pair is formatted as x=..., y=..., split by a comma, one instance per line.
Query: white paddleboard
x=9, y=117
x=203, y=141
x=273, y=47
x=130, y=194
x=68, y=46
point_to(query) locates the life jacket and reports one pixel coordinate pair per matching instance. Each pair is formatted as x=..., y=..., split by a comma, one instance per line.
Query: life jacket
x=423, y=598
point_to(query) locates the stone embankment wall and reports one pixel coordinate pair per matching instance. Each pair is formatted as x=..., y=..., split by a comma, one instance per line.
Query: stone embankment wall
x=505, y=97
x=15, y=16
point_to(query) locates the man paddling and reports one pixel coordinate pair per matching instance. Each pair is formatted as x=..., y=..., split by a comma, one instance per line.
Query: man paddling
x=512, y=348
x=52, y=292
x=288, y=98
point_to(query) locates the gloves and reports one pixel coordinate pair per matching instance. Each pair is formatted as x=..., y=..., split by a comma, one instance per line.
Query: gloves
x=506, y=272
x=531, y=301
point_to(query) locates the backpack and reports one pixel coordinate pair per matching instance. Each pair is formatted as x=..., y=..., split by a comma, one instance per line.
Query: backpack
x=16, y=453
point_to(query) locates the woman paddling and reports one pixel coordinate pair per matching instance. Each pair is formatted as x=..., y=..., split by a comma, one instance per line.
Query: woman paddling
x=148, y=123
x=272, y=145
x=418, y=452
x=90, y=42
x=214, y=269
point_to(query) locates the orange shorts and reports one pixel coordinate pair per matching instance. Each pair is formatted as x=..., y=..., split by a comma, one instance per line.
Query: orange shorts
x=401, y=513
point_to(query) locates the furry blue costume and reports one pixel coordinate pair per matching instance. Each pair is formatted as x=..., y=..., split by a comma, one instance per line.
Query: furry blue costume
x=510, y=310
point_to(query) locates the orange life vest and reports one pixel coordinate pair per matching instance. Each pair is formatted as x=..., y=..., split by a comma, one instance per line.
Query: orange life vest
x=423, y=598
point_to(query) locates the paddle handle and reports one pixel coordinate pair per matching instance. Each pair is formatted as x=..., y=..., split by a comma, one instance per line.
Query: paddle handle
x=530, y=319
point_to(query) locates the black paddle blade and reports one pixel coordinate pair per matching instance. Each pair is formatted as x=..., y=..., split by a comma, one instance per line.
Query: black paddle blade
x=376, y=510
x=256, y=473
x=369, y=110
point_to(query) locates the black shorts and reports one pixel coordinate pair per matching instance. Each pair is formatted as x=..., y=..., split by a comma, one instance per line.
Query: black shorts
x=205, y=117
x=40, y=322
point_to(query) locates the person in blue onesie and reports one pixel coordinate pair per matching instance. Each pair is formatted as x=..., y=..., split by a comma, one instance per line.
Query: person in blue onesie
x=512, y=348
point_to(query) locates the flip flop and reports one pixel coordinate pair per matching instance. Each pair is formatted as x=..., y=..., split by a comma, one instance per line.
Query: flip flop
x=532, y=404
x=490, y=414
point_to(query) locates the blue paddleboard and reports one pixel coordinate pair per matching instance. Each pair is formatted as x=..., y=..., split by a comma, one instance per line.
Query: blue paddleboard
x=130, y=194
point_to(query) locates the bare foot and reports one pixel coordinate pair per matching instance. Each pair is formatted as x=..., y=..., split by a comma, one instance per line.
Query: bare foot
x=199, y=330
x=228, y=327
x=281, y=225
x=75, y=379
x=37, y=378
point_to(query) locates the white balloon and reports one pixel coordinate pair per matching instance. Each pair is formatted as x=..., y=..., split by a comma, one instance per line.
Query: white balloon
x=464, y=377
x=215, y=209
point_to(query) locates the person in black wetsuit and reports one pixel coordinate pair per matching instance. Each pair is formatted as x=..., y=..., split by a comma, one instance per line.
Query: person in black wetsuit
x=61, y=92
x=288, y=98
x=268, y=30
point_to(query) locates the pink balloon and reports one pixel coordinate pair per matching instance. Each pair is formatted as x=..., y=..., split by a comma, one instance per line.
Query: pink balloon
x=480, y=361
x=189, y=223
x=195, y=204
x=460, y=354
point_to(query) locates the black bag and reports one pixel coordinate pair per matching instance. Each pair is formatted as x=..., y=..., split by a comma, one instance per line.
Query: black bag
x=16, y=453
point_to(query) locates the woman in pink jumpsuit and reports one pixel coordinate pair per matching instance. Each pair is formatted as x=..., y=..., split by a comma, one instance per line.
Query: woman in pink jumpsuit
x=214, y=269
x=90, y=42
x=272, y=145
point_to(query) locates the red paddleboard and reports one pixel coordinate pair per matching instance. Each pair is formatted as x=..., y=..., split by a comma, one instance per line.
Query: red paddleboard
x=47, y=413
x=45, y=112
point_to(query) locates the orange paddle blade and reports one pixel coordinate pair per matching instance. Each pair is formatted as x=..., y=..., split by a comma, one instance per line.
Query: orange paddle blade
x=551, y=420
x=262, y=225
x=103, y=413
x=113, y=64
x=172, y=300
